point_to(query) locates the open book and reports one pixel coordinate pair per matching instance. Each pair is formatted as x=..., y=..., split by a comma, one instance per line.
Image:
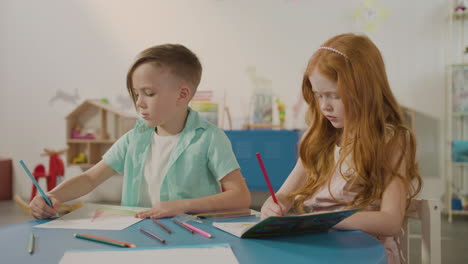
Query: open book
x=285, y=225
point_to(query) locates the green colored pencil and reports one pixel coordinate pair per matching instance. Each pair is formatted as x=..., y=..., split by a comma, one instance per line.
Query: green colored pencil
x=31, y=243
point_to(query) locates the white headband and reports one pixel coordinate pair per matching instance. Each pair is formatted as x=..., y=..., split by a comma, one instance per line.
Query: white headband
x=334, y=50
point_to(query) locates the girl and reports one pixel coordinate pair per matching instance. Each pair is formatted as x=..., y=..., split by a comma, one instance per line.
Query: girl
x=357, y=153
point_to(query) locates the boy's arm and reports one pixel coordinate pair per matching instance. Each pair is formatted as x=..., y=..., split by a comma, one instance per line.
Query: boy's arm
x=387, y=221
x=70, y=189
x=83, y=183
x=236, y=195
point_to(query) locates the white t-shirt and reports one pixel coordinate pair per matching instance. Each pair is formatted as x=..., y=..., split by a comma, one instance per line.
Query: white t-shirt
x=156, y=168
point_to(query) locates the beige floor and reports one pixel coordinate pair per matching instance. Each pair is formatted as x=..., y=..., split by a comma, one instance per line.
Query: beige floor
x=454, y=235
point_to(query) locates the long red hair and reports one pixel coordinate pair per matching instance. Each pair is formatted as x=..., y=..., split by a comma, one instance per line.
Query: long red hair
x=378, y=154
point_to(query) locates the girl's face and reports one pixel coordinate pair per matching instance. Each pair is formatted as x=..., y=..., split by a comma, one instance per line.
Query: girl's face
x=327, y=96
x=157, y=93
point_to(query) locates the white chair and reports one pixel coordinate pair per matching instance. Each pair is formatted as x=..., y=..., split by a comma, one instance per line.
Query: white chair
x=428, y=212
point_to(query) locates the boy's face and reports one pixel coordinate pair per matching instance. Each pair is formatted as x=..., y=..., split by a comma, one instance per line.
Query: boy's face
x=326, y=94
x=157, y=93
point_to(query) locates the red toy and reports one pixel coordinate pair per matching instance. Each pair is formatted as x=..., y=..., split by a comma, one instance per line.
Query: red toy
x=56, y=168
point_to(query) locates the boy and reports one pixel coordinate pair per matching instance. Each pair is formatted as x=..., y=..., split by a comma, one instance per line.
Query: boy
x=172, y=160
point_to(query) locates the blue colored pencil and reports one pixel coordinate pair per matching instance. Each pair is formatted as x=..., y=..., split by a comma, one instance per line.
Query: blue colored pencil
x=36, y=184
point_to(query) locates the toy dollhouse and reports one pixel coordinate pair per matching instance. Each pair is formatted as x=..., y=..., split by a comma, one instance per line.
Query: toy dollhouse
x=92, y=128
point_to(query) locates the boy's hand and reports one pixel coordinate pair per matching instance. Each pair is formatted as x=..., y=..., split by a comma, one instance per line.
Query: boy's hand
x=39, y=208
x=163, y=209
x=270, y=208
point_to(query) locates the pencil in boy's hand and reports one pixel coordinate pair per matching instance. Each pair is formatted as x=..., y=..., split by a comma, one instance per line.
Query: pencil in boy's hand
x=36, y=183
x=148, y=233
x=181, y=225
x=104, y=240
x=162, y=226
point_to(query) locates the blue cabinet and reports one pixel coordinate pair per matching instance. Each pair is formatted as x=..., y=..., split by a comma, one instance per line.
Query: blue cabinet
x=278, y=148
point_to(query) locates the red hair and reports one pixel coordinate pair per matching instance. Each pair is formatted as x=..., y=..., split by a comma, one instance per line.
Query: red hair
x=378, y=154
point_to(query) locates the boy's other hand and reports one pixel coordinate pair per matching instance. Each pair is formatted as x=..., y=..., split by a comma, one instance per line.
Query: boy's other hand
x=39, y=208
x=163, y=209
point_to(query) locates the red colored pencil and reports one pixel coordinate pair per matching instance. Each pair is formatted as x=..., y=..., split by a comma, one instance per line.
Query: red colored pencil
x=265, y=175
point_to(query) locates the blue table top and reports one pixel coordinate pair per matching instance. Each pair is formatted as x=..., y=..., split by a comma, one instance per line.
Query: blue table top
x=327, y=247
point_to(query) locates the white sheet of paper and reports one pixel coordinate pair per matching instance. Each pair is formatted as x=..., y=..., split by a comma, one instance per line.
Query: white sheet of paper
x=235, y=228
x=97, y=216
x=206, y=255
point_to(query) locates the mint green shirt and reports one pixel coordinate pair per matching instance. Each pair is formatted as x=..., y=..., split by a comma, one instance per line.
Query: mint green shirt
x=201, y=157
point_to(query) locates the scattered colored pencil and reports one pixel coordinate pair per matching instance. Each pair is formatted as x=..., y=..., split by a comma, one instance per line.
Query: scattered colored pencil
x=148, y=233
x=181, y=225
x=224, y=213
x=104, y=240
x=31, y=243
x=162, y=226
x=198, y=230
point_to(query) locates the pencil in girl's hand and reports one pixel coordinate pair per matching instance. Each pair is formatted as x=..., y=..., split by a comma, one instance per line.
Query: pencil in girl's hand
x=181, y=225
x=265, y=175
x=162, y=226
x=104, y=240
x=148, y=233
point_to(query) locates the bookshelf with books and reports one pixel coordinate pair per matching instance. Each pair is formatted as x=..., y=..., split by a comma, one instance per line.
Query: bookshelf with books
x=456, y=113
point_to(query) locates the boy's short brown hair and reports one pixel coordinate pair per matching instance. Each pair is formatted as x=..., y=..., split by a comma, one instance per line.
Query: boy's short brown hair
x=181, y=61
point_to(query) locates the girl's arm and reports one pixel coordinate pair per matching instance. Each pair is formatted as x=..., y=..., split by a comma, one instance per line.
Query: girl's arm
x=295, y=179
x=71, y=189
x=387, y=221
x=236, y=195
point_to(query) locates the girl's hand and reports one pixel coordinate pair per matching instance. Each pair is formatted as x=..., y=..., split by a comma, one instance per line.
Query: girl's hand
x=270, y=208
x=39, y=208
x=163, y=209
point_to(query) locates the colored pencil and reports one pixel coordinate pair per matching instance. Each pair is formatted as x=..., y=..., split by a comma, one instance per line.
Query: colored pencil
x=265, y=175
x=31, y=243
x=148, y=233
x=162, y=226
x=181, y=225
x=104, y=240
x=198, y=230
x=36, y=183
x=224, y=213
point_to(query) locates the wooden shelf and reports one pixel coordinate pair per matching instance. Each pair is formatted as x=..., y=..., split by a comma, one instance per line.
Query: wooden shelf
x=460, y=114
x=456, y=212
x=460, y=164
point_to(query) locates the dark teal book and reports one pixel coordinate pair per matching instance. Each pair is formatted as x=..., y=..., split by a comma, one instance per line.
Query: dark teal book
x=285, y=225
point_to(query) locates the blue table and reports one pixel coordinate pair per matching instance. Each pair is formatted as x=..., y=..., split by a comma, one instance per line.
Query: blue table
x=328, y=247
x=279, y=154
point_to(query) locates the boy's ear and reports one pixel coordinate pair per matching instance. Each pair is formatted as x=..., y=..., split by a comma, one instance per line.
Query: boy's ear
x=185, y=93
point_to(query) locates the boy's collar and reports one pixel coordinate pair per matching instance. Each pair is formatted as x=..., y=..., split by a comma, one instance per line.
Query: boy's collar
x=193, y=122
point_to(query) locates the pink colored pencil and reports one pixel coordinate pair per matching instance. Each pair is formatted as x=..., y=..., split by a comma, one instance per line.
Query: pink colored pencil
x=198, y=230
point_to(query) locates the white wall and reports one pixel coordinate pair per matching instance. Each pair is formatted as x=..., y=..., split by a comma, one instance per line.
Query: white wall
x=88, y=45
